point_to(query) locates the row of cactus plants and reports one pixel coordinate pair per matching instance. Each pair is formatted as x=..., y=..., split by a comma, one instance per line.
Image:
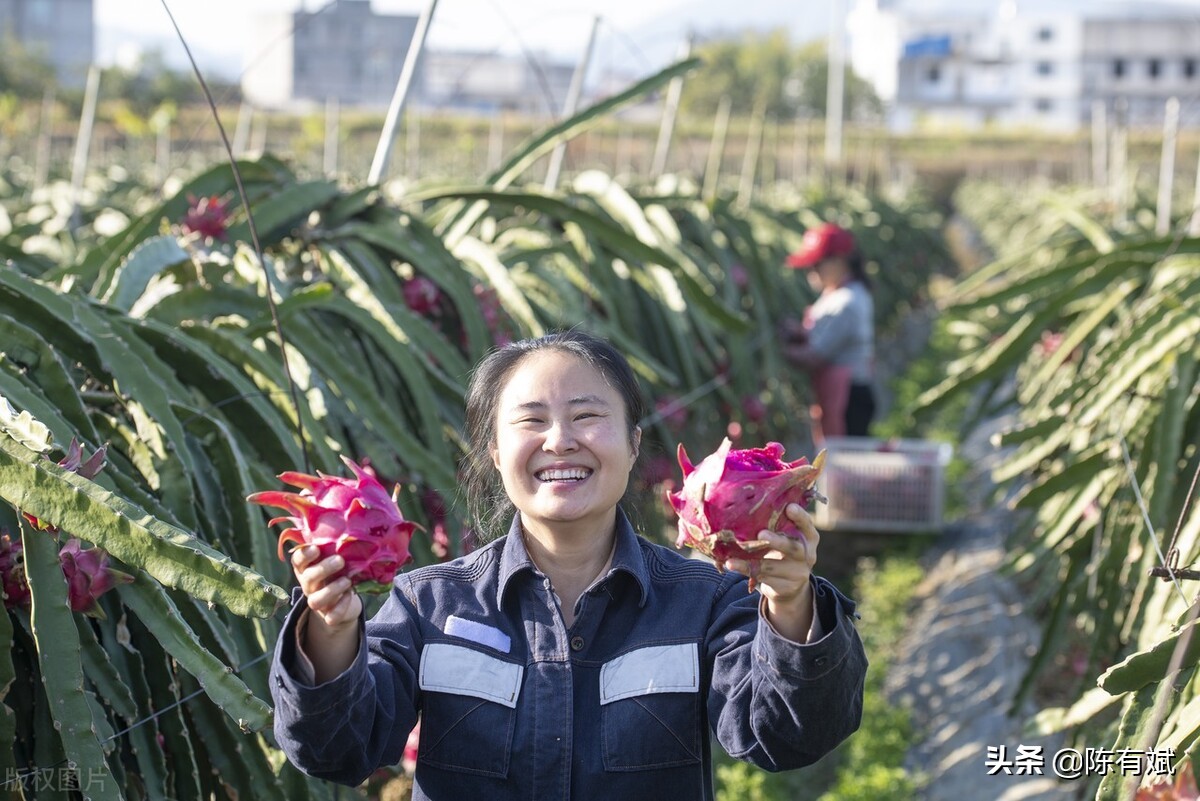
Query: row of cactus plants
x=1085, y=335
x=157, y=343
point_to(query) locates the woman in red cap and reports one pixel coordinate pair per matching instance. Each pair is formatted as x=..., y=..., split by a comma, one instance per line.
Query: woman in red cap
x=836, y=342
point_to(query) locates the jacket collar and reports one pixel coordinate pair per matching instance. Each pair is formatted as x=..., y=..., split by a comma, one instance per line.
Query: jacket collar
x=627, y=557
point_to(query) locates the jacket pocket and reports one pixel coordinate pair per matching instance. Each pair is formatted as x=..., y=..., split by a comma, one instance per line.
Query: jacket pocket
x=469, y=709
x=650, y=708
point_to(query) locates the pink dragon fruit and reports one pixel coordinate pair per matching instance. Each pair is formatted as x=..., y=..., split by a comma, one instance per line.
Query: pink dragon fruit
x=732, y=495
x=12, y=572
x=354, y=518
x=74, y=462
x=89, y=575
x=408, y=759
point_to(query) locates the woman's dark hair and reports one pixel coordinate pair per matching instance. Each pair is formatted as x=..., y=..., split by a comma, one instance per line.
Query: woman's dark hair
x=487, y=504
x=858, y=268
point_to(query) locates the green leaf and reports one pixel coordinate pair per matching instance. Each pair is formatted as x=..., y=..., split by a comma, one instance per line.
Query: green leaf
x=172, y=556
x=1136, y=734
x=58, y=647
x=1150, y=666
x=161, y=617
x=42, y=365
x=1084, y=709
x=147, y=260
x=8, y=720
x=278, y=214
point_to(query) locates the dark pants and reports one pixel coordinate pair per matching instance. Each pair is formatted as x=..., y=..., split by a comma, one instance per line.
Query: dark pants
x=860, y=409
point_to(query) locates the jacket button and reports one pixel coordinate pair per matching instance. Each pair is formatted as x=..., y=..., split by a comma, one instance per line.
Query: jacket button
x=576, y=643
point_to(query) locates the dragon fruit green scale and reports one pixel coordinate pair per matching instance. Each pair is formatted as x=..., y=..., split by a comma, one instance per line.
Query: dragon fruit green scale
x=732, y=495
x=354, y=518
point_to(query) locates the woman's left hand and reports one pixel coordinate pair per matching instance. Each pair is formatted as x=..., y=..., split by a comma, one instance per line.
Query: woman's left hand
x=783, y=575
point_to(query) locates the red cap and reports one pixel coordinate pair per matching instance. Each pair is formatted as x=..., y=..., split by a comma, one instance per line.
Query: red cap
x=823, y=242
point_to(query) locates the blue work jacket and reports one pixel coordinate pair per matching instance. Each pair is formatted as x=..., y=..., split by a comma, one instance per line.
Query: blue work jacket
x=514, y=705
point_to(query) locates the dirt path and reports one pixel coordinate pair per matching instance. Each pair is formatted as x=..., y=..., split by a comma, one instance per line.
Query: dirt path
x=961, y=662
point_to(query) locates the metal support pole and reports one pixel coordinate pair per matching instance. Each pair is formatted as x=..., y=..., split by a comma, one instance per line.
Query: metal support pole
x=1099, y=144
x=1194, y=223
x=623, y=158
x=412, y=144
x=572, y=103
x=258, y=142
x=799, y=150
x=670, y=113
x=1166, y=166
x=383, y=151
x=716, y=148
x=162, y=152
x=45, y=139
x=496, y=142
x=1119, y=171
x=750, y=162
x=83, y=142
x=835, y=88
x=332, y=134
x=241, y=134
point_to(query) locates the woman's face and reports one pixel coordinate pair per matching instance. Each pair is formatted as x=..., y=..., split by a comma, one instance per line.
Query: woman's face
x=828, y=273
x=562, y=445
x=815, y=281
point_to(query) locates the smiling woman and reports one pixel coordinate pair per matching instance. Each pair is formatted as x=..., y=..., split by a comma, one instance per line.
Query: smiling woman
x=570, y=658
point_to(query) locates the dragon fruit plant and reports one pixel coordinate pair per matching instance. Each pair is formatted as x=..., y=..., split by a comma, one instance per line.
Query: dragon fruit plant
x=732, y=495
x=354, y=518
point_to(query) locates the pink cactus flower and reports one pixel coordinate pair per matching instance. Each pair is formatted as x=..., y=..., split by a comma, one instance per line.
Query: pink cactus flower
x=75, y=463
x=89, y=575
x=206, y=216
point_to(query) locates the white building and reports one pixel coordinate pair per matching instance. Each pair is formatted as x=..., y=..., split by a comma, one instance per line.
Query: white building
x=60, y=31
x=346, y=51
x=343, y=51
x=970, y=66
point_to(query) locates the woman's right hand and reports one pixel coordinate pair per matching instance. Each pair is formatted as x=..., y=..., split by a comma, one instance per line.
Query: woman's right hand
x=333, y=603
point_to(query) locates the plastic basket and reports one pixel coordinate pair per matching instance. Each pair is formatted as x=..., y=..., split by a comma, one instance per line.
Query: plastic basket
x=882, y=485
